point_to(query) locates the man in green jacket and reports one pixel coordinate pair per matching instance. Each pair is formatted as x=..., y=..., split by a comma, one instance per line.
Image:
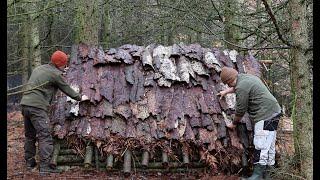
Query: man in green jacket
x=41, y=88
x=253, y=96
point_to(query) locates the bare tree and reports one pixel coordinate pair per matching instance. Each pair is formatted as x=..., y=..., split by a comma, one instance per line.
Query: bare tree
x=301, y=87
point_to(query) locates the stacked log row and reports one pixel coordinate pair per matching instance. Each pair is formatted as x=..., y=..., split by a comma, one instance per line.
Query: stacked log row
x=146, y=98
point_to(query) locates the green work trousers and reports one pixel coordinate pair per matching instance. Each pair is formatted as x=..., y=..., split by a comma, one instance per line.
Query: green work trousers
x=36, y=122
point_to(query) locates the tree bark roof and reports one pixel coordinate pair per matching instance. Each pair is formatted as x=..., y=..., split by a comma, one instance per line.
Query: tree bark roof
x=152, y=94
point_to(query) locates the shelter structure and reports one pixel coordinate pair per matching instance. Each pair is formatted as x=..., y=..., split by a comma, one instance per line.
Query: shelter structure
x=151, y=104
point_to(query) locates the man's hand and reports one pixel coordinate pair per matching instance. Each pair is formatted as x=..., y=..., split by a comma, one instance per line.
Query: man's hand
x=228, y=122
x=222, y=93
x=84, y=98
x=231, y=126
x=226, y=91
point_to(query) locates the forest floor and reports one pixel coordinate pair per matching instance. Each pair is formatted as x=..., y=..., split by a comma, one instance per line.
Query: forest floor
x=16, y=168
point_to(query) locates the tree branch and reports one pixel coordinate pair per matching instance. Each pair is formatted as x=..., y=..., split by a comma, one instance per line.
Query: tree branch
x=241, y=48
x=34, y=12
x=268, y=9
x=215, y=8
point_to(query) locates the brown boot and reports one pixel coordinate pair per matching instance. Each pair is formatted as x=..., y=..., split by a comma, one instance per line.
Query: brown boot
x=31, y=163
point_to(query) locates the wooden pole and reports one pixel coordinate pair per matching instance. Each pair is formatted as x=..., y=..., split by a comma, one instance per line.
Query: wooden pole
x=55, y=154
x=155, y=170
x=164, y=159
x=69, y=159
x=109, y=162
x=185, y=157
x=145, y=159
x=88, y=156
x=266, y=61
x=67, y=152
x=158, y=165
x=127, y=163
x=67, y=167
x=96, y=157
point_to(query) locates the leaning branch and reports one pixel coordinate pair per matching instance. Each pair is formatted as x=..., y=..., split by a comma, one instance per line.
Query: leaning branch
x=273, y=18
x=216, y=9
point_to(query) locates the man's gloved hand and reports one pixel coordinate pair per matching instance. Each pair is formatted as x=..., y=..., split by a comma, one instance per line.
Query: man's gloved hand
x=230, y=125
x=228, y=122
x=233, y=116
x=84, y=98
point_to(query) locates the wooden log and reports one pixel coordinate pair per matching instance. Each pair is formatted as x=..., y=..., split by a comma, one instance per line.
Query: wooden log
x=265, y=61
x=165, y=160
x=67, y=167
x=244, y=139
x=63, y=145
x=127, y=163
x=151, y=165
x=69, y=159
x=109, y=162
x=145, y=159
x=80, y=164
x=96, y=157
x=173, y=170
x=67, y=152
x=158, y=165
x=185, y=157
x=88, y=156
x=55, y=154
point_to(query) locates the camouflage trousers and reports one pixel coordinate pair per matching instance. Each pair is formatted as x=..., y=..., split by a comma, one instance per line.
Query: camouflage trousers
x=36, y=122
x=265, y=141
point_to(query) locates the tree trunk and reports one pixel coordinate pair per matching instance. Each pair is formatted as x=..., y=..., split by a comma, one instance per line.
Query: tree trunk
x=301, y=86
x=49, y=36
x=35, y=36
x=88, y=22
x=231, y=32
x=24, y=44
x=106, y=26
x=198, y=37
x=170, y=34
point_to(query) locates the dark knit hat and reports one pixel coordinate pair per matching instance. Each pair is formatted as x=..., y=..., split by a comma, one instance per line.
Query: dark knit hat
x=228, y=75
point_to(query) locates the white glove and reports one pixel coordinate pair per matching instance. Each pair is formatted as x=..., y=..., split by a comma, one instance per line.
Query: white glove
x=84, y=98
x=228, y=122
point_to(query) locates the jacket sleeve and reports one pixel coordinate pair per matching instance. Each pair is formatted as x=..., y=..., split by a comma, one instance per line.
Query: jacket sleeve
x=64, y=87
x=242, y=99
